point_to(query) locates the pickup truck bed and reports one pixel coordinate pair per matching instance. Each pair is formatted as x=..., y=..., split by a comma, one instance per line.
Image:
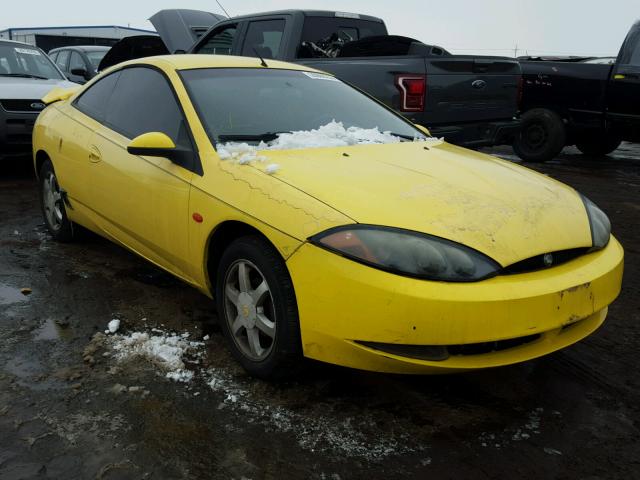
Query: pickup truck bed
x=573, y=102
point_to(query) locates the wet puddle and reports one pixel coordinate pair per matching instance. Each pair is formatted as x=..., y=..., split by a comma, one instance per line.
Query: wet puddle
x=50, y=330
x=9, y=295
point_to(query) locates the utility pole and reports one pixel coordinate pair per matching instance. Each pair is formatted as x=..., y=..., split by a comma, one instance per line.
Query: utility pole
x=515, y=51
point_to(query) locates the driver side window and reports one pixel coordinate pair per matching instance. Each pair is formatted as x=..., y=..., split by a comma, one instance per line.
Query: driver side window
x=144, y=102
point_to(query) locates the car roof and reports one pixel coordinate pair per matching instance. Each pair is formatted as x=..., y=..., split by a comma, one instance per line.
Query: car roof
x=83, y=48
x=309, y=13
x=194, y=61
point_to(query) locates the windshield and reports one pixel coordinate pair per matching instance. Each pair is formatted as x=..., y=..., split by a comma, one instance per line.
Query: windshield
x=96, y=57
x=26, y=61
x=252, y=105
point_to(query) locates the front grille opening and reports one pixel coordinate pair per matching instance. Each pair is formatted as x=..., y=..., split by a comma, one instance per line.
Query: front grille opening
x=538, y=262
x=489, y=347
x=438, y=353
x=19, y=105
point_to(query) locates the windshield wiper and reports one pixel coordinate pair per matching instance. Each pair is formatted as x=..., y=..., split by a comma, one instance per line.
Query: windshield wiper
x=23, y=75
x=258, y=137
x=405, y=137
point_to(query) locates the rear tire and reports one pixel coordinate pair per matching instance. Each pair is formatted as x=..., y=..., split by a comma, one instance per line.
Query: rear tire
x=542, y=137
x=598, y=145
x=53, y=205
x=257, y=309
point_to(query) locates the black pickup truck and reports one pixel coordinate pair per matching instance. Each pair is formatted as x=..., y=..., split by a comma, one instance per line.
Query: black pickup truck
x=570, y=101
x=468, y=100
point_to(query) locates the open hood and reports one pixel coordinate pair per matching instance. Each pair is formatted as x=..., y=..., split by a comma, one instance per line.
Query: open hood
x=180, y=28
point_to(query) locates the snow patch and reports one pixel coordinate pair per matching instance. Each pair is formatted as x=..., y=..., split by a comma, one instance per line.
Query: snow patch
x=333, y=134
x=272, y=168
x=167, y=351
x=352, y=437
x=113, y=326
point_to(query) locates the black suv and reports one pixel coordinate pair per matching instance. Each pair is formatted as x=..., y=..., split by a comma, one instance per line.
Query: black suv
x=79, y=63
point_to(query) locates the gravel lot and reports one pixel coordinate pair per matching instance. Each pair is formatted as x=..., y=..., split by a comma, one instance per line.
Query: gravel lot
x=70, y=409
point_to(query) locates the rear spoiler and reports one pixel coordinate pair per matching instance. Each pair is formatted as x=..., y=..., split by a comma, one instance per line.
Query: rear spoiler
x=58, y=94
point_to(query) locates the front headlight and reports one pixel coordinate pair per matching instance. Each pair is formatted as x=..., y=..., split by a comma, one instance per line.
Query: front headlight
x=408, y=253
x=599, y=222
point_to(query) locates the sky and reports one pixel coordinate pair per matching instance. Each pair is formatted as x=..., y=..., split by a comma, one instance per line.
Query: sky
x=490, y=27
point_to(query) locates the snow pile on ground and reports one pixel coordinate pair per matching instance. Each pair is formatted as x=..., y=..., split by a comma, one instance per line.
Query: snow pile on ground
x=333, y=134
x=167, y=351
x=318, y=428
x=315, y=431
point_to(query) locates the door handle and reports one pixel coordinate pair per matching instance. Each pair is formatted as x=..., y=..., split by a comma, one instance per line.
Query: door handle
x=94, y=154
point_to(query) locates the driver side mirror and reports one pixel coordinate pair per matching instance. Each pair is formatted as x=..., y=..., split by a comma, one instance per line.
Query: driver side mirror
x=80, y=72
x=423, y=129
x=158, y=144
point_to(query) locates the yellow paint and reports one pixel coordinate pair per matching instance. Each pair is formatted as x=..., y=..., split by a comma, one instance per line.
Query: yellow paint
x=152, y=140
x=423, y=129
x=58, y=94
x=506, y=211
x=619, y=76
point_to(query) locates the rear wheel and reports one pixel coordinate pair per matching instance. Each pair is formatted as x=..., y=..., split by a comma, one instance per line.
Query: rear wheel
x=52, y=205
x=257, y=308
x=542, y=136
x=598, y=145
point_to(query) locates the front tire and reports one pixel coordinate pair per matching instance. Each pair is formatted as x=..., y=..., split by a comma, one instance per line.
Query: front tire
x=52, y=205
x=257, y=309
x=598, y=145
x=542, y=137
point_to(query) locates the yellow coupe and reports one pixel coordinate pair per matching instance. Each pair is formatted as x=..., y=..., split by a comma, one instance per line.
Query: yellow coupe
x=404, y=255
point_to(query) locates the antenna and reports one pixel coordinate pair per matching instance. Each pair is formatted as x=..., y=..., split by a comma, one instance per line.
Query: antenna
x=220, y=5
x=262, y=62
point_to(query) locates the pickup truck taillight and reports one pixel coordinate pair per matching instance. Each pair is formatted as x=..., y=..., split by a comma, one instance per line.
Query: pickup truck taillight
x=413, y=89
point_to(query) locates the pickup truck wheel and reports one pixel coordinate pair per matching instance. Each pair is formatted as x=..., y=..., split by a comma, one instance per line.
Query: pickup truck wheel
x=598, y=145
x=52, y=204
x=542, y=136
x=258, y=311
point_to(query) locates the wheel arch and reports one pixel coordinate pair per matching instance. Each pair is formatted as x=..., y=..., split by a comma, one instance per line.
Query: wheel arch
x=40, y=157
x=221, y=237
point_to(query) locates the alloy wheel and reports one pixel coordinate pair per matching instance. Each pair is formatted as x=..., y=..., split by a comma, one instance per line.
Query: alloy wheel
x=249, y=310
x=52, y=201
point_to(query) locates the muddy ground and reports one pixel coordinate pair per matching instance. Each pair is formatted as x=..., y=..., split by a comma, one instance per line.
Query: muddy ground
x=67, y=409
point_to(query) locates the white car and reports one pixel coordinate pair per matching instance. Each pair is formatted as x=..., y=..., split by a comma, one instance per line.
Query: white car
x=26, y=75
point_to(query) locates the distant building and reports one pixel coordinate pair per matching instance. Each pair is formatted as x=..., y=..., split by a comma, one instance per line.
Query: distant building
x=53, y=37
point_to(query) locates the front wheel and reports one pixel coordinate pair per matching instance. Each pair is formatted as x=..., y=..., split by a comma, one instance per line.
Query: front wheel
x=542, y=136
x=52, y=205
x=257, y=309
x=598, y=145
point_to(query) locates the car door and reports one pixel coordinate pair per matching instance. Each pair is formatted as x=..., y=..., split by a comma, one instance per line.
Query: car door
x=143, y=202
x=74, y=130
x=624, y=87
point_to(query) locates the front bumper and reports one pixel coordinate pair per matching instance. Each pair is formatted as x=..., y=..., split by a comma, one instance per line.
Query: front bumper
x=342, y=302
x=479, y=134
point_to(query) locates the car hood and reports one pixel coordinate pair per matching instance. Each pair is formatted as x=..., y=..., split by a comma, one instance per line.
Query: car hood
x=181, y=28
x=16, y=88
x=506, y=211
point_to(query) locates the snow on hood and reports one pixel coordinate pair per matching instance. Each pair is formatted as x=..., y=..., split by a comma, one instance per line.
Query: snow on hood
x=17, y=88
x=333, y=134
